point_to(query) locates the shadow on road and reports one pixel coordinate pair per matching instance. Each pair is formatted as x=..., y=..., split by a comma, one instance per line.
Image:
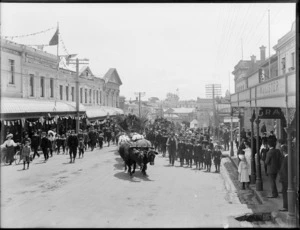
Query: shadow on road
x=125, y=176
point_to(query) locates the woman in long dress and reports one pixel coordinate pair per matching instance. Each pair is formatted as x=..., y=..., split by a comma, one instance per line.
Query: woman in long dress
x=10, y=145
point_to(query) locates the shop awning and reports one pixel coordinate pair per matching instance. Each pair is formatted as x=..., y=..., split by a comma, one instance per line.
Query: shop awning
x=102, y=111
x=24, y=106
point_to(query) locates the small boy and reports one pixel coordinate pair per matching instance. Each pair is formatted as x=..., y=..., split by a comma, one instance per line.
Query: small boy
x=81, y=146
x=217, y=155
x=208, y=154
x=26, y=154
x=243, y=171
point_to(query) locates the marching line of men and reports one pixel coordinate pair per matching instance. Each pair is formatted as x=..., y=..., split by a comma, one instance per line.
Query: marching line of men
x=190, y=151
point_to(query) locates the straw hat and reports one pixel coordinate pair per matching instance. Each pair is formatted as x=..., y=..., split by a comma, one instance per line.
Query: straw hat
x=9, y=135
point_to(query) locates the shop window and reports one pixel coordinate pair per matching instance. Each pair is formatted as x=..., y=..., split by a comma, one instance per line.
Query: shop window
x=12, y=71
x=85, y=95
x=60, y=92
x=90, y=96
x=31, y=85
x=72, y=93
x=283, y=65
x=42, y=86
x=293, y=61
x=51, y=88
x=67, y=93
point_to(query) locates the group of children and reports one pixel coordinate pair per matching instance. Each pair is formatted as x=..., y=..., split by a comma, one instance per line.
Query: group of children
x=201, y=152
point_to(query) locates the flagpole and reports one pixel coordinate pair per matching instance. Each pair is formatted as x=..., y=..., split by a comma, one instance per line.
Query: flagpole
x=57, y=70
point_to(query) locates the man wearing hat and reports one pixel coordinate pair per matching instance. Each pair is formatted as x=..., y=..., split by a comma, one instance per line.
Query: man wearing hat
x=35, y=143
x=73, y=144
x=45, y=145
x=172, y=148
x=284, y=178
x=180, y=150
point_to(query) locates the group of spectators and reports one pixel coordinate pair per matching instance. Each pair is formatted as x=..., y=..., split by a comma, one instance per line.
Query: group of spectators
x=274, y=157
x=51, y=142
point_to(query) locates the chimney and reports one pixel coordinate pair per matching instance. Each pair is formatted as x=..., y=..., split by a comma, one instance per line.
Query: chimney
x=262, y=53
x=253, y=58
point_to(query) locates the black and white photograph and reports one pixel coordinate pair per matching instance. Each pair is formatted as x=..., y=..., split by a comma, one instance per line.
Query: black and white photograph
x=149, y=115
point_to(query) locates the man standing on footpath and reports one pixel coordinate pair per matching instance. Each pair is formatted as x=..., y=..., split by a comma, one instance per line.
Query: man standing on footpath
x=284, y=178
x=226, y=140
x=273, y=162
x=172, y=148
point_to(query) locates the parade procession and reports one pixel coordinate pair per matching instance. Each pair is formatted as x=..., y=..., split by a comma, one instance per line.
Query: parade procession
x=113, y=118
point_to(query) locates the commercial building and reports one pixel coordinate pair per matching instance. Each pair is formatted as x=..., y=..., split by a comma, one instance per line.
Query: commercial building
x=266, y=92
x=38, y=91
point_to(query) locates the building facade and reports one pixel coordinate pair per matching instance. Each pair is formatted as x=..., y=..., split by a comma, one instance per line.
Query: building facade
x=35, y=84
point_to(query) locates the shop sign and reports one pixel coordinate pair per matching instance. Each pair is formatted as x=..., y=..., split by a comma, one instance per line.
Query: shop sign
x=270, y=113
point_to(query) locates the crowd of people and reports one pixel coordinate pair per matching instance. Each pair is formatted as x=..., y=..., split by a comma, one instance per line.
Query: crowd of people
x=273, y=155
x=51, y=142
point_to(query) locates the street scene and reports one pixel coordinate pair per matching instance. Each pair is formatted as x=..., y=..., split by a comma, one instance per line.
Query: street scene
x=183, y=120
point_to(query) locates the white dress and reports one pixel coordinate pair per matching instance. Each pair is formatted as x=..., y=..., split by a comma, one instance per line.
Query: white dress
x=248, y=156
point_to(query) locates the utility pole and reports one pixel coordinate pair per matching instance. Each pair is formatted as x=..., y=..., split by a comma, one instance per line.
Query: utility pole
x=76, y=61
x=140, y=94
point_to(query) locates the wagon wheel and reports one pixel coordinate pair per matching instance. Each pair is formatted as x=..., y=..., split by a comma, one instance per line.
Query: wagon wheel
x=17, y=157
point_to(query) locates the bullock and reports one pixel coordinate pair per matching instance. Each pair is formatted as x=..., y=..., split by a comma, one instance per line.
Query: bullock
x=133, y=155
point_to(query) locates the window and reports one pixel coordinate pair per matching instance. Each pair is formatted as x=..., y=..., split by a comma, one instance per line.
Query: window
x=100, y=97
x=61, y=92
x=12, y=71
x=42, y=86
x=72, y=92
x=67, y=93
x=97, y=97
x=81, y=95
x=283, y=65
x=85, y=96
x=51, y=88
x=90, y=96
x=293, y=60
x=31, y=84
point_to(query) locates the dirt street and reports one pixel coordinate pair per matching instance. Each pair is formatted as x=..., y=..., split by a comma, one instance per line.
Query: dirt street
x=96, y=192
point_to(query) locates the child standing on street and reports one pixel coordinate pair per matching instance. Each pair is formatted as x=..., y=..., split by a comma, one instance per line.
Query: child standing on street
x=81, y=146
x=217, y=155
x=243, y=171
x=26, y=154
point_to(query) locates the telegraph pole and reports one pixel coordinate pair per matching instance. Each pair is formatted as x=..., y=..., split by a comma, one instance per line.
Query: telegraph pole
x=76, y=61
x=140, y=94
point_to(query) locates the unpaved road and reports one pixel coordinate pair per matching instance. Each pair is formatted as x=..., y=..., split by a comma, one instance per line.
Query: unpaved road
x=96, y=192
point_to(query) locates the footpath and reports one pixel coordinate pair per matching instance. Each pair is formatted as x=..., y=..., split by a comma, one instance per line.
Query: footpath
x=256, y=200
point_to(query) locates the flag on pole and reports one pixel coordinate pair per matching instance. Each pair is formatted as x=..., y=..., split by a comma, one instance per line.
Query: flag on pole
x=54, y=39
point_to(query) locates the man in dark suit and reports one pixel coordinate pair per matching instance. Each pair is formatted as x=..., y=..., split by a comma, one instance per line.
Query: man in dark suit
x=284, y=178
x=273, y=162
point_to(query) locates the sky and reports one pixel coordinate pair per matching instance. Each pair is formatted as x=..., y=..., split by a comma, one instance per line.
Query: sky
x=156, y=48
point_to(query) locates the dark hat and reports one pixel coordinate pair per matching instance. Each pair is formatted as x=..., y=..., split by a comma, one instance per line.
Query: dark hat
x=284, y=148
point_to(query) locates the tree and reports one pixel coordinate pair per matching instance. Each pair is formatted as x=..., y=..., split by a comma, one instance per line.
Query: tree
x=153, y=99
x=172, y=97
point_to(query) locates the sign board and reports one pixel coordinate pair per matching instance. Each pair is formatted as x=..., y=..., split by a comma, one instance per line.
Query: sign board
x=228, y=119
x=270, y=113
